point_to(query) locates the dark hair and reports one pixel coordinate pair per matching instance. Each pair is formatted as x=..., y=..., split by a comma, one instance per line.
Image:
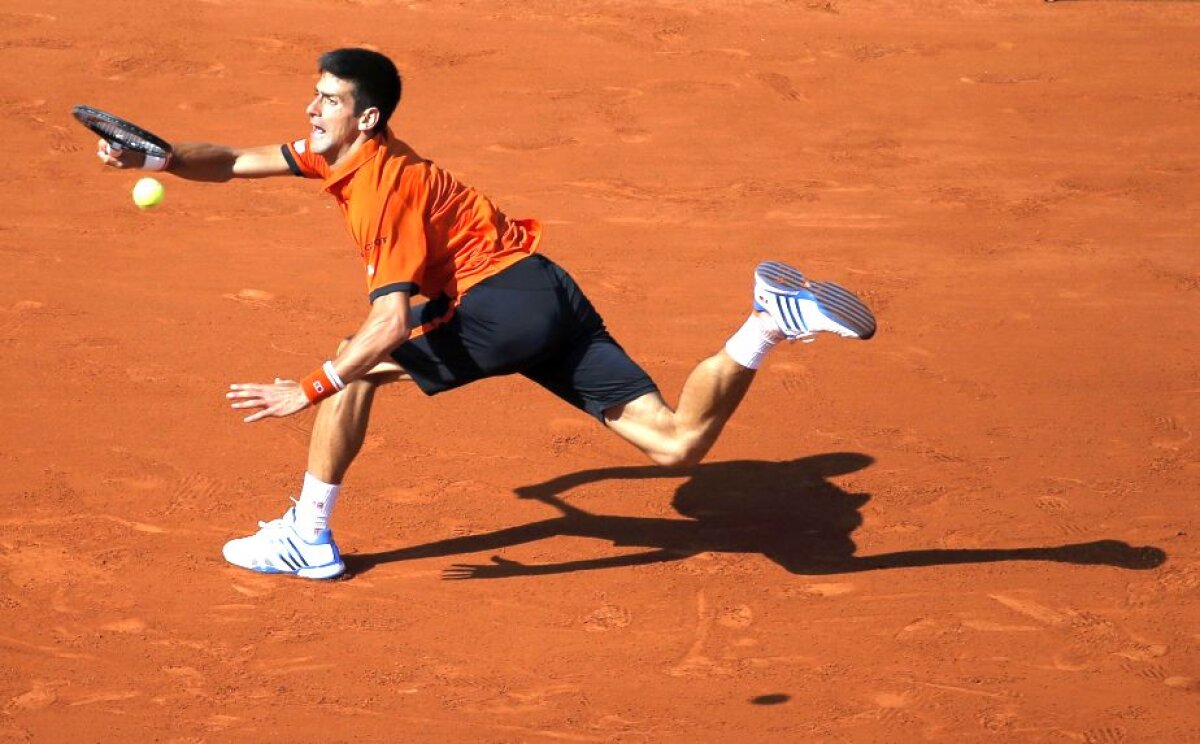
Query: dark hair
x=375, y=79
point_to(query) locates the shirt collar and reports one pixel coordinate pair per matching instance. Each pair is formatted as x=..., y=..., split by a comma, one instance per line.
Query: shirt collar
x=360, y=157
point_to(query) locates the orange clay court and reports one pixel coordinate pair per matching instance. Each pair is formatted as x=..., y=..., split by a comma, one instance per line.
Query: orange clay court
x=979, y=526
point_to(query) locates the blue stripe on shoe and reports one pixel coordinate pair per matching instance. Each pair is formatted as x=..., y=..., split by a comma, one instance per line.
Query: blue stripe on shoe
x=785, y=312
x=797, y=315
x=297, y=555
x=792, y=314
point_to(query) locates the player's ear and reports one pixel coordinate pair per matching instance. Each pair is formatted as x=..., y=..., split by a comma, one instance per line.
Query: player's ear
x=368, y=119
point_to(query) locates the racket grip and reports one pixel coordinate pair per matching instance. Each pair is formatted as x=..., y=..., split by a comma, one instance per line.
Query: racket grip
x=150, y=162
x=155, y=163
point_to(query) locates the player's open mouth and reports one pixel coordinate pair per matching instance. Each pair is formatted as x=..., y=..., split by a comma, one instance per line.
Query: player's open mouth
x=317, y=131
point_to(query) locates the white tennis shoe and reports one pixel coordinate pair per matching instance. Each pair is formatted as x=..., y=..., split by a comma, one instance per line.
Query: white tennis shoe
x=803, y=308
x=278, y=548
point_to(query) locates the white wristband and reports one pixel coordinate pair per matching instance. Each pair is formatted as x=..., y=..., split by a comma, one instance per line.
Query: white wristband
x=332, y=374
x=155, y=163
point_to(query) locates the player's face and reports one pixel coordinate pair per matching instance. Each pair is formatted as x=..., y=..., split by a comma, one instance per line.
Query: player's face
x=335, y=127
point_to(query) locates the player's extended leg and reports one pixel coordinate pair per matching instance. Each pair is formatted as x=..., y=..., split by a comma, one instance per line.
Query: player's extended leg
x=786, y=306
x=300, y=541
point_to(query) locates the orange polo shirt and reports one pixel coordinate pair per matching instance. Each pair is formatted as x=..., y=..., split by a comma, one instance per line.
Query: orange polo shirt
x=417, y=228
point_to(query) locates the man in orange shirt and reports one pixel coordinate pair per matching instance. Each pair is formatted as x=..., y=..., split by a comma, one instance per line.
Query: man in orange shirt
x=495, y=307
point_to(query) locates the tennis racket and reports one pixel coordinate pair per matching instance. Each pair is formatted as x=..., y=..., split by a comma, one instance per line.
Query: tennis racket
x=124, y=135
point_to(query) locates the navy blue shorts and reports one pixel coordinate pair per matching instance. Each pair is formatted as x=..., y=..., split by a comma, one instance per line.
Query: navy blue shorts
x=531, y=318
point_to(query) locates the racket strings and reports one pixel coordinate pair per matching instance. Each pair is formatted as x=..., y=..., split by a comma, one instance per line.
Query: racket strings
x=126, y=139
x=121, y=133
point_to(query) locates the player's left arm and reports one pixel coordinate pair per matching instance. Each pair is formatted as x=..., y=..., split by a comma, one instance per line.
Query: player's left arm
x=388, y=325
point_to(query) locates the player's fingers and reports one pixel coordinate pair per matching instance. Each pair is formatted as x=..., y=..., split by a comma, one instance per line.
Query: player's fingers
x=258, y=416
x=109, y=153
x=234, y=394
x=242, y=400
x=246, y=389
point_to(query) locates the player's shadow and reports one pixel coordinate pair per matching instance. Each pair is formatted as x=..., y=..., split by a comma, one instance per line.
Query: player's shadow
x=789, y=512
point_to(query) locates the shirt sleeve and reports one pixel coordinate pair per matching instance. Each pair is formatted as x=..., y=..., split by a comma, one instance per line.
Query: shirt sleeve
x=398, y=253
x=303, y=161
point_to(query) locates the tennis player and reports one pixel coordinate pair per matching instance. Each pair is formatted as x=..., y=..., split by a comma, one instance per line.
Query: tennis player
x=493, y=305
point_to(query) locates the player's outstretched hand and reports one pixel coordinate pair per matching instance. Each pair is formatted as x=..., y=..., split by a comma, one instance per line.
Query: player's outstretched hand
x=278, y=399
x=499, y=568
x=115, y=156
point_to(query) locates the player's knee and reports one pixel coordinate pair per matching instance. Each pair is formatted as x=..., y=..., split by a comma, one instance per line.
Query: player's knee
x=680, y=453
x=676, y=461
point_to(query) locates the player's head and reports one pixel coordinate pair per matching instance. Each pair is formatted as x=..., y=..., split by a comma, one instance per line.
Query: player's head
x=356, y=94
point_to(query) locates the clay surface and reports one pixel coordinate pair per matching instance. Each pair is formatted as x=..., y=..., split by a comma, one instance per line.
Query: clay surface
x=979, y=526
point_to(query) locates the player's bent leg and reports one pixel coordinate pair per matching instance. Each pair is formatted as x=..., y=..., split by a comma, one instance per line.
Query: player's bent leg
x=682, y=437
x=342, y=420
x=648, y=423
x=300, y=542
x=787, y=305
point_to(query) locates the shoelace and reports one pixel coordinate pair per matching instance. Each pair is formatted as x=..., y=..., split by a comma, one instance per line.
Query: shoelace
x=278, y=524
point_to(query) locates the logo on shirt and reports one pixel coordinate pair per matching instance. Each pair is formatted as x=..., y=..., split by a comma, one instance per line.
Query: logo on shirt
x=372, y=245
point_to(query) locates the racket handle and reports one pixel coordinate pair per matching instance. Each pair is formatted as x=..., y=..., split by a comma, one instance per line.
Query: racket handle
x=155, y=163
x=150, y=163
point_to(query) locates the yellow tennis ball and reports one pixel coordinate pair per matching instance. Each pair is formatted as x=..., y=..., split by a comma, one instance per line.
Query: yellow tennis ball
x=147, y=192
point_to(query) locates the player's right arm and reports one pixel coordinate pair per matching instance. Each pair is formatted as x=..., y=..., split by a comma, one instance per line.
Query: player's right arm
x=201, y=161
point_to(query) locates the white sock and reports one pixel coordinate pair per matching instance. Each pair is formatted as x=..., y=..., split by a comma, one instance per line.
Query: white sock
x=316, y=503
x=749, y=346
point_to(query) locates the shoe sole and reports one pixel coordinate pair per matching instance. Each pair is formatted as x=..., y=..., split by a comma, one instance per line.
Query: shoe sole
x=833, y=299
x=332, y=571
